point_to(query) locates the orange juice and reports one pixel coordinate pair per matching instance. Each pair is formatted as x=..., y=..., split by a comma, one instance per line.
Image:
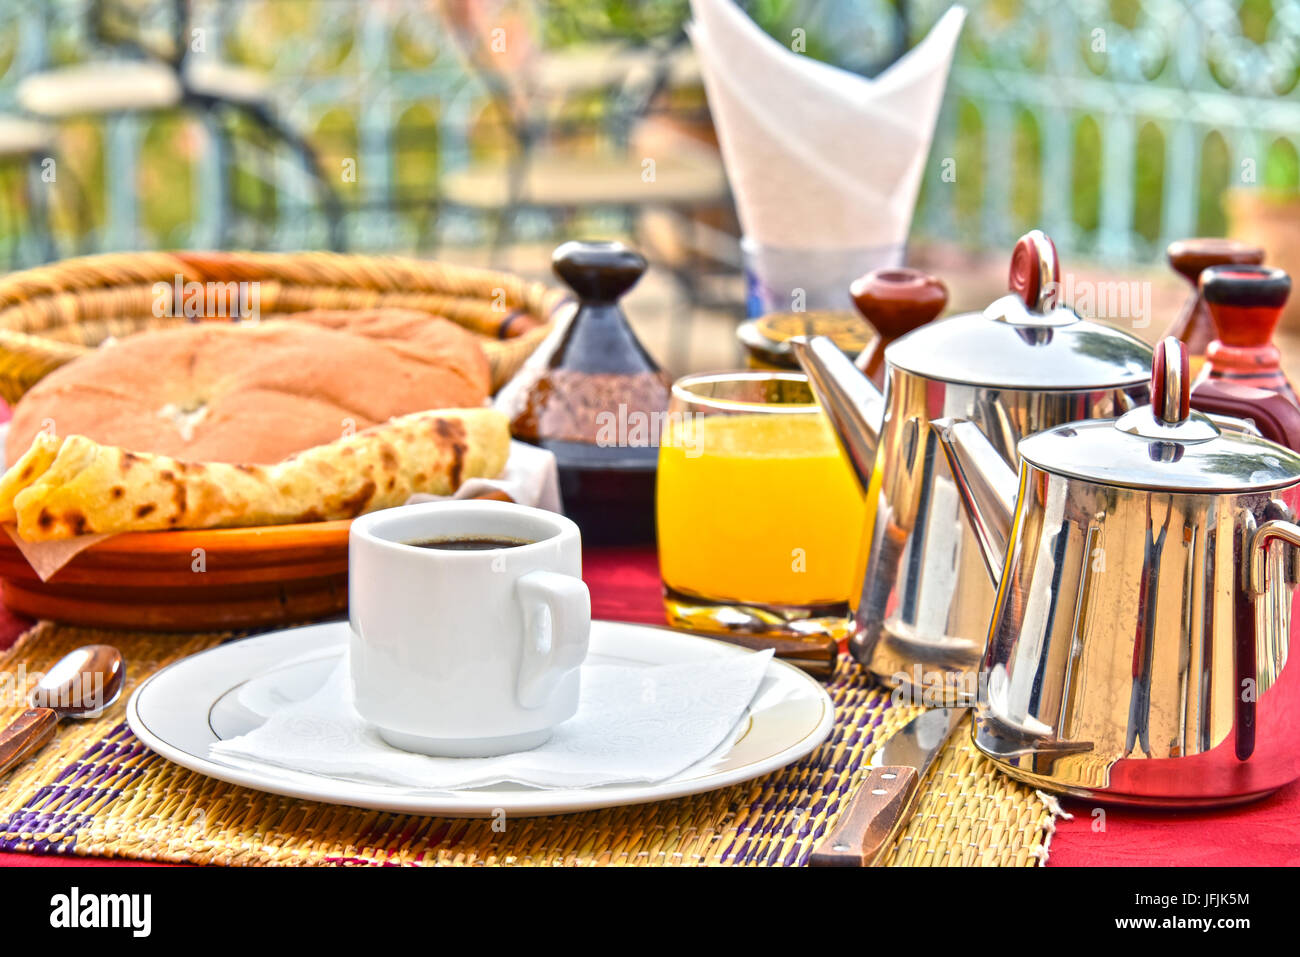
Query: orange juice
x=757, y=508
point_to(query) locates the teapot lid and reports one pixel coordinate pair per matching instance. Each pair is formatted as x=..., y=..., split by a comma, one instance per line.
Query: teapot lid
x=1164, y=445
x=1025, y=340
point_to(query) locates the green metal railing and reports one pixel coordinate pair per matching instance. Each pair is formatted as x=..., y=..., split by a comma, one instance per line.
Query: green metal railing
x=1116, y=125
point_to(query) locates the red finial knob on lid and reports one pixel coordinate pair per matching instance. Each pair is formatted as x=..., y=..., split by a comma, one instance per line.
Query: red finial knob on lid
x=1035, y=270
x=895, y=301
x=1171, y=382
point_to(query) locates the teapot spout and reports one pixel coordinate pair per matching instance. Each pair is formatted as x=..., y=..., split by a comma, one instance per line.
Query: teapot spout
x=855, y=407
x=987, y=485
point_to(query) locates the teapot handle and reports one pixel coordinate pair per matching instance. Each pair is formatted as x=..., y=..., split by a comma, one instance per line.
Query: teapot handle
x=1264, y=535
x=1257, y=587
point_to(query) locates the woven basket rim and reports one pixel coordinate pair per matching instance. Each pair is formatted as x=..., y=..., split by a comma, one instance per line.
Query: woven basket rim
x=111, y=270
x=38, y=306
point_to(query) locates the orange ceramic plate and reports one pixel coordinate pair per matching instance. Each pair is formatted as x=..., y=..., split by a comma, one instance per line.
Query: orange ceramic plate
x=217, y=579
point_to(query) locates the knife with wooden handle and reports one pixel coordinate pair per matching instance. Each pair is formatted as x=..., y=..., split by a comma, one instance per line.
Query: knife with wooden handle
x=883, y=804
x=816, y=656
x=29, y=732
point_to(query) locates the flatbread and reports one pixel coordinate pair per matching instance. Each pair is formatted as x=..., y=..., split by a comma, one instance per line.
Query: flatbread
x=73, y=486
x=254, y=393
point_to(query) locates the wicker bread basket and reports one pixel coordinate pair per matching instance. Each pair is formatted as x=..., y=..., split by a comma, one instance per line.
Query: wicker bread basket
x=52, y=314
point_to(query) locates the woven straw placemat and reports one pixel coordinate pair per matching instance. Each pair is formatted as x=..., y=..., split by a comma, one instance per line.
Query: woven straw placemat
x=96, y=790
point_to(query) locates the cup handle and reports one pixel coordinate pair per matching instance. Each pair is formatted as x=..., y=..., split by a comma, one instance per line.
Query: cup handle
x=557, y=622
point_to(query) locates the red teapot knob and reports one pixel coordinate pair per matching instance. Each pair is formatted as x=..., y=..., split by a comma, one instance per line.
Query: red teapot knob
x=1245, y=302
x=896, y=301
x=1171, y=384
x=1035, y=270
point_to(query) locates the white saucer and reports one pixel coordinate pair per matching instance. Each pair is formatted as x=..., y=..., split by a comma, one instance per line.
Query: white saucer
x=186, y=706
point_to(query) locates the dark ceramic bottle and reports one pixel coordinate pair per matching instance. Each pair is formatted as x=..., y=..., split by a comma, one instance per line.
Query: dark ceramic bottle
x=599, y=399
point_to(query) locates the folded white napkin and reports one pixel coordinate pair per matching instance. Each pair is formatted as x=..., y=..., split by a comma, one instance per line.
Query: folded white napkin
x=818, y=157
x=634, y=725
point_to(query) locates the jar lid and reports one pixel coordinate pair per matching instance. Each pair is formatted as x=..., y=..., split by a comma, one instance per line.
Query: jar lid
x=768, y=336
x=1164, y=445
x=1025, y=340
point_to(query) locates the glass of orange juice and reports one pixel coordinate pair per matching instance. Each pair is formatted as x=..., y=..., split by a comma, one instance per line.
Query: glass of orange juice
x=758, y=513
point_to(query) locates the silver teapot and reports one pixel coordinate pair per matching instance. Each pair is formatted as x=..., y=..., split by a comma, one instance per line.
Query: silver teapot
x=1138, y=648
x=1024, y=364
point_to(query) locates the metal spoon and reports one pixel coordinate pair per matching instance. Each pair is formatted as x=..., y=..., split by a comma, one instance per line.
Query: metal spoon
x=80, y=685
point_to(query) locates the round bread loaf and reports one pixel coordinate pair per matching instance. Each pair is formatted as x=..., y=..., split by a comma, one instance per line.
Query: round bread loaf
x=251, y=394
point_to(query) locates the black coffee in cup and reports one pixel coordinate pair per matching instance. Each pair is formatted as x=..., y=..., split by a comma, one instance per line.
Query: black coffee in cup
x=469, y=543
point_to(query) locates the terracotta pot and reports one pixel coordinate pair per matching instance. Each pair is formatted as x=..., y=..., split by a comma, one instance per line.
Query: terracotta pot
x=1270, y=219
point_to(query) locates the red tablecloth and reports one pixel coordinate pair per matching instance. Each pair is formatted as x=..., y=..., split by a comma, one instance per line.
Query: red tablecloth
x=625, y=586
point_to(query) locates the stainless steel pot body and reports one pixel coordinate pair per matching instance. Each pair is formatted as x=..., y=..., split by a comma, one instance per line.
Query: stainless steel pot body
x=1129, y=656
x=923, y=612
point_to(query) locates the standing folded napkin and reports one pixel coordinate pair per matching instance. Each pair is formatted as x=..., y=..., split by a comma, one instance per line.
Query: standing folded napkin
x=634, y=725
x=825, y=164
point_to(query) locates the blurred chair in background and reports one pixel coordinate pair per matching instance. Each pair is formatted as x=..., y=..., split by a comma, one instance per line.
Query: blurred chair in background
x=25, y=145
x=584, y=135
x=152, y=75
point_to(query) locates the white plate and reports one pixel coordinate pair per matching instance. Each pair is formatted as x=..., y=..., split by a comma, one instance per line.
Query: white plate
x=186, y=706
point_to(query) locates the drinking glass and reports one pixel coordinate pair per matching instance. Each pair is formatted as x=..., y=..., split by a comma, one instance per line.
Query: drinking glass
x=758, y=513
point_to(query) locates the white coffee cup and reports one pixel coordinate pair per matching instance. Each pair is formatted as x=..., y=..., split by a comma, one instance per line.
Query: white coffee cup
x=466, y=653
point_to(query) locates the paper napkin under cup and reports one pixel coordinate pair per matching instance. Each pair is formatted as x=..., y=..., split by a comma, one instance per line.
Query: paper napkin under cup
x=634, y=725
x=820, y=160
